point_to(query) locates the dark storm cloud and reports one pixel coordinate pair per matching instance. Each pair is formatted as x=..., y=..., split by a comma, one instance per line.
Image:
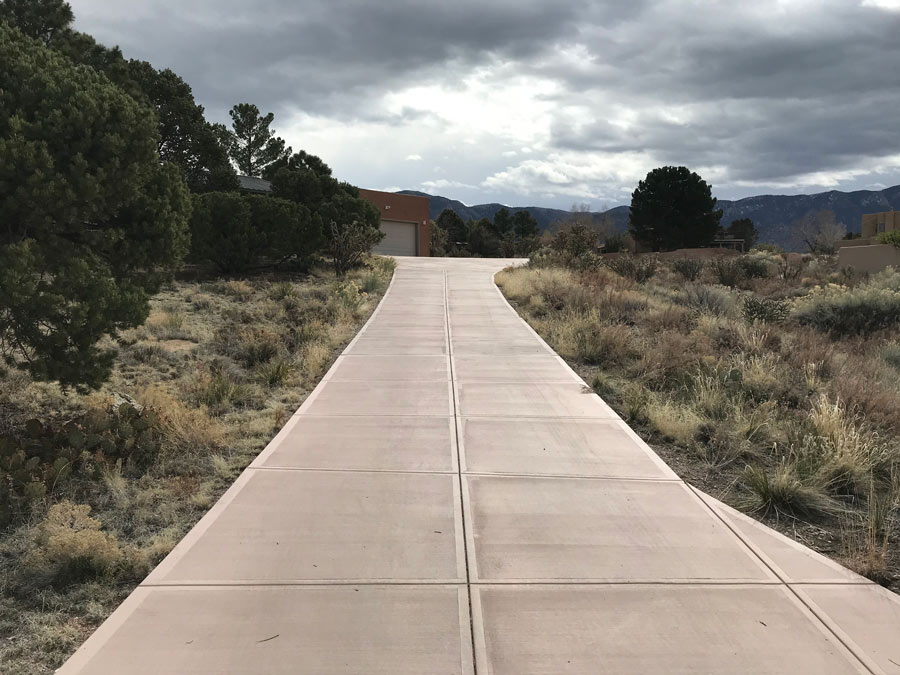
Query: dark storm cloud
x=767, y=99
x=321, y=56
x=765, y=91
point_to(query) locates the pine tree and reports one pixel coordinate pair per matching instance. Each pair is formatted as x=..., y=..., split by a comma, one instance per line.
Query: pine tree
x=252, y=144
x=92, y=222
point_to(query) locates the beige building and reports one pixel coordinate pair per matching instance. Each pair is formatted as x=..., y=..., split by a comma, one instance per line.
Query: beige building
x=875, y=223
x=866, y=254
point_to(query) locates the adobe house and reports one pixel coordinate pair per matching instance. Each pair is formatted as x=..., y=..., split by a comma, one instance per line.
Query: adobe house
x=405, y=221
x=866, y=254
x=874, y=224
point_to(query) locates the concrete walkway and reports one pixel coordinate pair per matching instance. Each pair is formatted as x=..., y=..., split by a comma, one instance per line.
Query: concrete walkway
x=453, y=499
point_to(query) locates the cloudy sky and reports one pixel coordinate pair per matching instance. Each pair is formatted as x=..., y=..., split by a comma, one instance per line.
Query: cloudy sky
x=550, y=103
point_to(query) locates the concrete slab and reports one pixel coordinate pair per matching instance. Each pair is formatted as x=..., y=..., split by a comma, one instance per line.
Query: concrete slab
x=371, y=368
x=529, y=400
x=381, y=398
x=793, y=562
x=393, y=347
x=532, y=446
x=401, y=320
x=411, y=312
x=365, y=443
x=570, y=530
x=487, y=346
x=510, y=368
x=341, y=630
x=288, y=526
x=867, y=618
x=640, y=629
x=494, y=330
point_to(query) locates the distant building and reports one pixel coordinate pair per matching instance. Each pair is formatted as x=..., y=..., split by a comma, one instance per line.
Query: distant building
x=405, y=222
x=866, y=254
x=874, y=224
x=254, y=185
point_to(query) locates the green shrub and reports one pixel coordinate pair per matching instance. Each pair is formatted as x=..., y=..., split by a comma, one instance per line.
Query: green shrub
x=350, y=242
x=754, y=266
x=235, y=231
x=222, y=231
x=841, y=311
x=286, y=230
x=887, y=279
x=639, y=268
x=727, y=272
x=765, y=309
x=546, y=257
x=283, y=290
x=708, y=299
x=689, y=268
x=892, y=238
x=616, y=243
x=576, y=239
x=276, y=372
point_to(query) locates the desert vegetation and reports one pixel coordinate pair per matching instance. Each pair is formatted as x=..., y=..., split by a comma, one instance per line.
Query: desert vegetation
x=97, y=488
x=770, y=380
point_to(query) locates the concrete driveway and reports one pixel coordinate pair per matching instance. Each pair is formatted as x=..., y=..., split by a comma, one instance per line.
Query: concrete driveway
x=453, y=499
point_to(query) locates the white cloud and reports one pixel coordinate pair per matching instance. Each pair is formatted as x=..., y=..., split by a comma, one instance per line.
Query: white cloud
x=882, y=4
x=414, y=158
x=443, y=183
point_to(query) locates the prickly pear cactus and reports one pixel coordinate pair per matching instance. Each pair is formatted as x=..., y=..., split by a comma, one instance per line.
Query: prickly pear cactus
x=37, y=460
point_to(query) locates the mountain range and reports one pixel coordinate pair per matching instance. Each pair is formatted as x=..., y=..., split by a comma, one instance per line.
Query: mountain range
x=773, y=215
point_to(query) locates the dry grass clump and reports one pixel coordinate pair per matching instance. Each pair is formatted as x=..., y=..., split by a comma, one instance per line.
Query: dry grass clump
x=70, y=547
x=188, y=430
x=584, y=338
x=677, y=423
x=780, y=491
x=168, y=325
x=769, y=379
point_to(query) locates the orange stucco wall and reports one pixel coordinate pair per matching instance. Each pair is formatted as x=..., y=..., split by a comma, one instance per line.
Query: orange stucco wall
x=404, y=208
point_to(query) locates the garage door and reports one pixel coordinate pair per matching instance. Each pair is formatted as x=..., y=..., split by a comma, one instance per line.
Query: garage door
x=399, y=239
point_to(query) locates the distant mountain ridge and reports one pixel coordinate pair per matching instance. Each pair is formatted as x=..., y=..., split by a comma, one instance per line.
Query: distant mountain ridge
x=772, y=214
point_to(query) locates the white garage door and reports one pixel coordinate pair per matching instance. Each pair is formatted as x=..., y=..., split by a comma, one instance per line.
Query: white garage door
x=399, y=239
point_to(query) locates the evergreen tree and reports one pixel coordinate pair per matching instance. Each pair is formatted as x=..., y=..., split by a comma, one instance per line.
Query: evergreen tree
x=305, y=179
x=454, y=226
x=503, y=222
x=185, y=137
x=43, y=20
x=92, y=221
x=673, y=208
x=252, y=144
x=525, y=226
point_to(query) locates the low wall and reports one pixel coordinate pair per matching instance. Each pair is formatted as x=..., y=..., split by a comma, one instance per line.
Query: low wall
x=869, y=258
x=871, y=241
